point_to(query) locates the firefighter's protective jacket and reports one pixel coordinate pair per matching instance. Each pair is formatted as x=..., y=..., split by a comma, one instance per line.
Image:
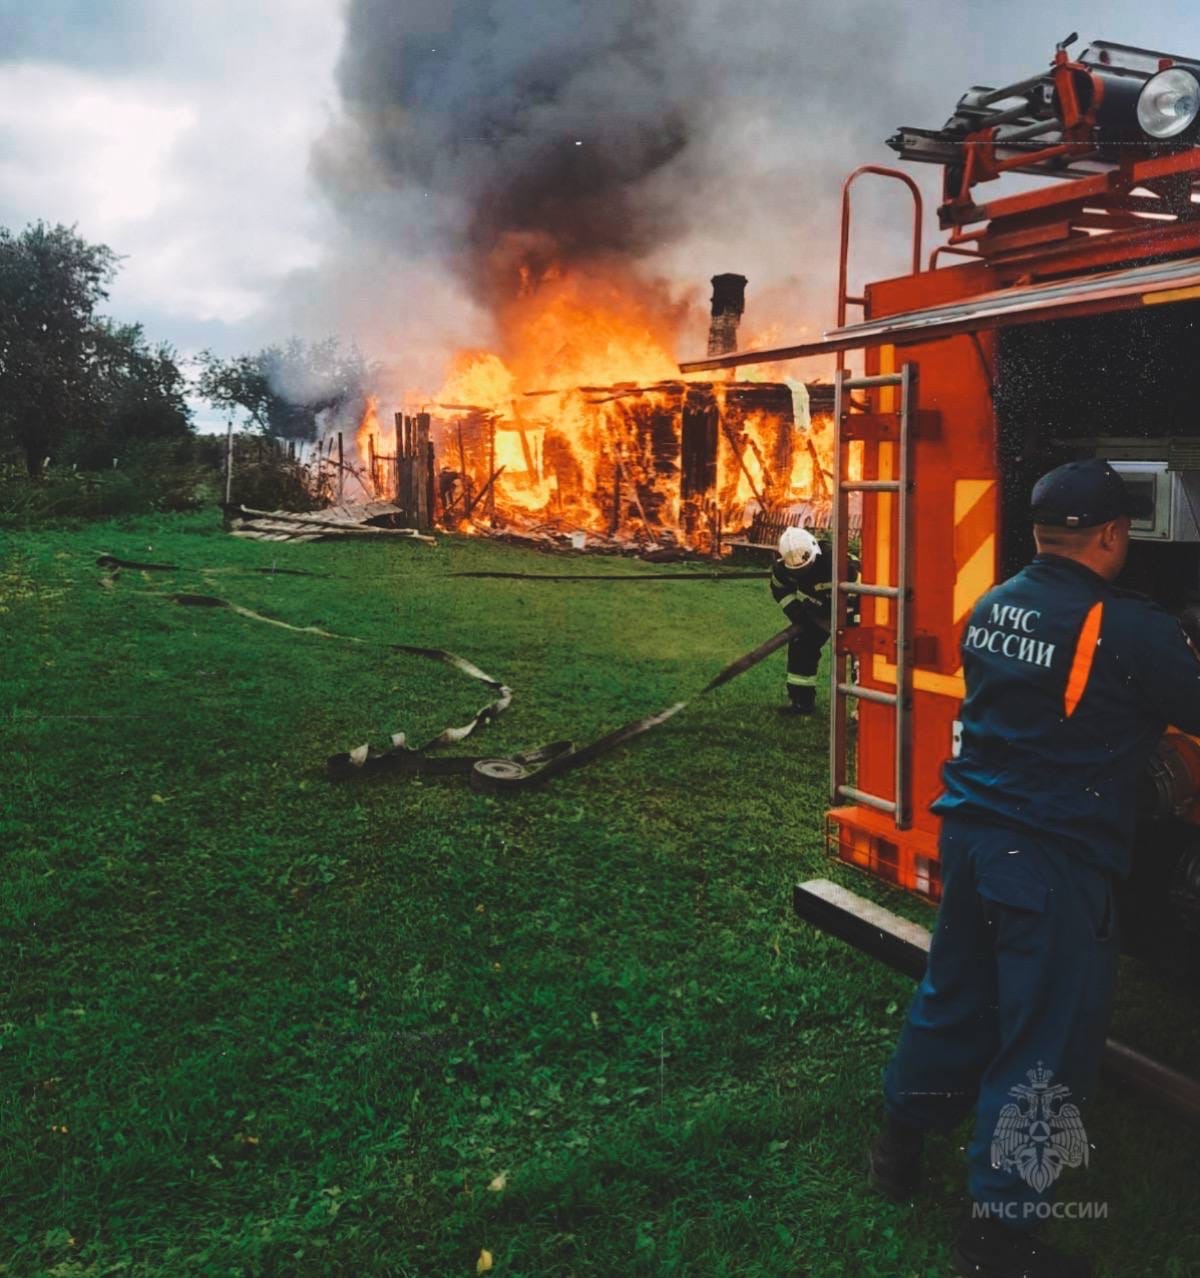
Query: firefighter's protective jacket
x=1070, y=684
x=805, y=592
x=802, y=591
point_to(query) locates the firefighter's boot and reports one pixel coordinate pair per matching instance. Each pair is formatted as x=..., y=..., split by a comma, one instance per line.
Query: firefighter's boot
x=801, y=701
x=894, y=1161
x=989, y=1249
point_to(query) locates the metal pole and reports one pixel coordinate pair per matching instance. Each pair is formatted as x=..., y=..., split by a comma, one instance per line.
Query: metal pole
x=229, y=462
x=1029, y=131
x=341, y=469
x=1020, y=89
x=904, y=551
x=841, y=546
x=843, y=298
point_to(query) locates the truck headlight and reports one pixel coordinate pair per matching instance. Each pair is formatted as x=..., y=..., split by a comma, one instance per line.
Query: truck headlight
x=1169, y=103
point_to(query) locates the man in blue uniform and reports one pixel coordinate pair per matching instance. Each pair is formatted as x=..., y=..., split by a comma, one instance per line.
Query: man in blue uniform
x=1069, y=685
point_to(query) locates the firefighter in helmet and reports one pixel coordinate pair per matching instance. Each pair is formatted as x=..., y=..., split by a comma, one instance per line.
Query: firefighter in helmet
x=801, y=582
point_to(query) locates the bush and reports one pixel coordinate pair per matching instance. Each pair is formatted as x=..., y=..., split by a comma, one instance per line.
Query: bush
x=67, y=497
x=162, y=475
x=269, y=483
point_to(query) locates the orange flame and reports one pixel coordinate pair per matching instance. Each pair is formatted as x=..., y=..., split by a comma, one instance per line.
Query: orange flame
x=367, y=438
x=580, y=420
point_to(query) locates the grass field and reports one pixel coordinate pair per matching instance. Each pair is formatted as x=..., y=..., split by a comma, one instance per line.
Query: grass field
x=257, y=1023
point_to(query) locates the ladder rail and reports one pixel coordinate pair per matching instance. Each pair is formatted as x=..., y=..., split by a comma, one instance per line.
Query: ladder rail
x=838, y=597
x=872, y=380
x=867, y=694
x=904, y=603
x=868, y=800
x=844, y=299
x=842, y=688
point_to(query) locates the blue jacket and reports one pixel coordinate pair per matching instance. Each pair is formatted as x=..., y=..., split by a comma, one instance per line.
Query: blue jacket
x=1070, y=684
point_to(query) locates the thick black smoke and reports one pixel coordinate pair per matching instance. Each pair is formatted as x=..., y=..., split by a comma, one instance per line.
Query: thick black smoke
x=533, y=125
x=687, y=137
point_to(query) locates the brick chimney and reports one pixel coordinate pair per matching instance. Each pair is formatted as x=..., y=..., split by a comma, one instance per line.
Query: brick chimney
x=728, y=303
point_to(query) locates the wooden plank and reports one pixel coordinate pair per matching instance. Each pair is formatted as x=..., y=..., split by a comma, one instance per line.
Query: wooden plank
x=333, y=530
x=483, y=492
x=331, y=515
x=430, y=506
x=492, y=468
x=421, y=490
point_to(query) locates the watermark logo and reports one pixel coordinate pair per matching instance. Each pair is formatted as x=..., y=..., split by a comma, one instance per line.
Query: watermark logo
x=1039, y=1132
x=1022, y=1213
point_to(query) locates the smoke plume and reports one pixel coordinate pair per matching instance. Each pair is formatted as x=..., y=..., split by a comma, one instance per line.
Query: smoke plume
x=530, y=127
x=501, y=139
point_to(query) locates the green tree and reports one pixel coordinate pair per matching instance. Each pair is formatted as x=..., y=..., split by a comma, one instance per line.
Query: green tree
x=284, y=389
x=137, y=397
x=51, y=281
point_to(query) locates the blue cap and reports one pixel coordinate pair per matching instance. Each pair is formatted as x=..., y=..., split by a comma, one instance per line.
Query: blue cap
x=1083, y=494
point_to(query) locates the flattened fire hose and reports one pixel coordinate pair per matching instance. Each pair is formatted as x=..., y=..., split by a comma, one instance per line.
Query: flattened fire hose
x=708, y=577
x=116, y=564
x=535, y=767
x=400, y=749
x=518, y=771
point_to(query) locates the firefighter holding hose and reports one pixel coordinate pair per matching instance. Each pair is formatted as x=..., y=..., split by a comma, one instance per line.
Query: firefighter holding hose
x=801, y=582
x=1069, y=686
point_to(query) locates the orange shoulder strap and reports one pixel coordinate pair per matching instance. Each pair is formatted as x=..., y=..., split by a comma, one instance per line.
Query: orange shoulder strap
x=1085, y=652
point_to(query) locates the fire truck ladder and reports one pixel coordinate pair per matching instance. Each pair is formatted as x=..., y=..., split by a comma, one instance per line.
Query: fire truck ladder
x=843, y=689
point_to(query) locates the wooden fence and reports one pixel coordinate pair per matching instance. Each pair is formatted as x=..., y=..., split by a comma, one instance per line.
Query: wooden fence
x=405, y=477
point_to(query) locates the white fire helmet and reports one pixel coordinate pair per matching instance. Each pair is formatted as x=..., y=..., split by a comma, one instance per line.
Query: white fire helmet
x=798, y=547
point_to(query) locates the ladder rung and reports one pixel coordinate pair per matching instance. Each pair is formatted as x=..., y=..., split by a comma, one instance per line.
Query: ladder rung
x=867, y=800
x=867, y=694
x=865, y=383
x=870, y=486
x=866, y=588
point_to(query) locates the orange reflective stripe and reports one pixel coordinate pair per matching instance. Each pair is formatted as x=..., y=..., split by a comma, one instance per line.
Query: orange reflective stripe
x=1085, y=652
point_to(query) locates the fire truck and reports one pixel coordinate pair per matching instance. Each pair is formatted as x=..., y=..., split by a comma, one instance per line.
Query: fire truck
x=1060, y=320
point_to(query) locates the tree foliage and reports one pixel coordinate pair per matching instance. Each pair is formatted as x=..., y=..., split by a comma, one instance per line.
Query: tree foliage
x=285, y=389
x=50, y=283
x=138, y=397
x=74, y=385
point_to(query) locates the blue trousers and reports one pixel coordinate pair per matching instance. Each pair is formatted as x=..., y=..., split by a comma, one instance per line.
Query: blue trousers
x=1013, y=1008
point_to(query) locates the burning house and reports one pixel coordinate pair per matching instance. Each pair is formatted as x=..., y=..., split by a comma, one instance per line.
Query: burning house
x=669, y=461
x=545, y=178
x=659, y=462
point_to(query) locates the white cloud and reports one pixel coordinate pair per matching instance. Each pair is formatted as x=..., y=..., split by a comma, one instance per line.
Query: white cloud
x=191, y=159
x=181, y=134
x=118, y=139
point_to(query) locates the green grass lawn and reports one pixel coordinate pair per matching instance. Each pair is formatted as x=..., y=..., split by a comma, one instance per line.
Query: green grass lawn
x=257, y=1023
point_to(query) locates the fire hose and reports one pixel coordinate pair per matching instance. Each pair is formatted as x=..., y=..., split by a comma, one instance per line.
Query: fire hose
x=448, y=736
x=490, y=775
x=535, y=767
x=115, y=564
x=618, y=576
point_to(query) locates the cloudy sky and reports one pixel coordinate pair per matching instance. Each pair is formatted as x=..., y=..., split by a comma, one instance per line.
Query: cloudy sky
x=195, y=138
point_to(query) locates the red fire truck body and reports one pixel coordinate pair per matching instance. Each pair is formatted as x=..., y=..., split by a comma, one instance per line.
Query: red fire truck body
x=1068, y=327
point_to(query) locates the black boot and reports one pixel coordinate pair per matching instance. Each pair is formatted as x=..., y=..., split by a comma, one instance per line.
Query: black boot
x=894, y=1161
x=989, y=1249
x=800, y=701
